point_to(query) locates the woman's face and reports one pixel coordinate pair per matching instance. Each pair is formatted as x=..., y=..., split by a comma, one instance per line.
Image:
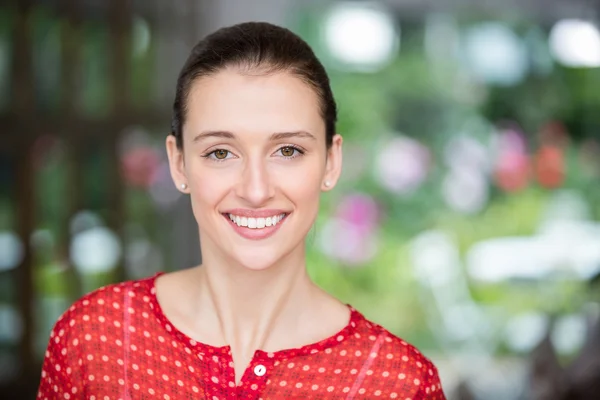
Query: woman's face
x=255, y=161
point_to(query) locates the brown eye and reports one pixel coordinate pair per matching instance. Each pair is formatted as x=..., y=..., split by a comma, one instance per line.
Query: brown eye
x=288, y=151
x=221, y=154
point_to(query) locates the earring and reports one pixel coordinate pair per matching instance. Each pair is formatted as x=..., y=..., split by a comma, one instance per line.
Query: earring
x=327, y=183
x=183, y=186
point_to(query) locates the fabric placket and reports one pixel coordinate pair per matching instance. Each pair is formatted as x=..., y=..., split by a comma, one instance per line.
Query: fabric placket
x=216, y=377
x=228, y=374
x=126, y=340
x=255, y=378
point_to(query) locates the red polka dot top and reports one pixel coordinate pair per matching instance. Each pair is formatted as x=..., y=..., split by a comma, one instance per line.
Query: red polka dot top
x=116, y=343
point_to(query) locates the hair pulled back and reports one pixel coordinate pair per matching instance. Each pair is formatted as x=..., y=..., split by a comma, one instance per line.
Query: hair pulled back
x=254, y=47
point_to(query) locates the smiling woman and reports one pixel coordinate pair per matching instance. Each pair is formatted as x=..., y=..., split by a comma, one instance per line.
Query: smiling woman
x=253, y=143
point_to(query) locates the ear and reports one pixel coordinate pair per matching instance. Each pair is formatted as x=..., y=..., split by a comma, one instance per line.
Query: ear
x=333, y=166
x=176, y=164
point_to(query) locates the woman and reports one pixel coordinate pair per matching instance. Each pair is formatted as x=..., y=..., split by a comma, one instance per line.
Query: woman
x=253, y=144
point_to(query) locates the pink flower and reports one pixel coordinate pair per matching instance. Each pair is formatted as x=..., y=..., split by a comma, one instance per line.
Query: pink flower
x=403, y=165
x=350, y=236
x=512, y=170
x=139, y=166
x=360, y=210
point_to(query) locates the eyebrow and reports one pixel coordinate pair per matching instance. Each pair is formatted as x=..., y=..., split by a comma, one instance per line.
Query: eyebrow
x=208, y=134
x=287, y=135
x=275, y=136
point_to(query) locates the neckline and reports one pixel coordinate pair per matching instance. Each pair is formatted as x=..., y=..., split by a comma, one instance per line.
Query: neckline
x=312, y=348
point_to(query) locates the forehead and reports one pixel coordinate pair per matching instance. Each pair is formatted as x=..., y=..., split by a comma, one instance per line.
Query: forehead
x=258, y=103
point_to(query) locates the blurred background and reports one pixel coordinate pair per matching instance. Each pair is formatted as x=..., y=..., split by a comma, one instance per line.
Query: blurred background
x=467, y=219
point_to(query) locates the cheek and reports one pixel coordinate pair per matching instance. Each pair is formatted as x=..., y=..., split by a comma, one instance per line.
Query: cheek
x=207, y=188
x=302, y=186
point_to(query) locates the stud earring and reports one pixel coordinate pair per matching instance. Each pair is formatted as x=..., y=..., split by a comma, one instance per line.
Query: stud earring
x=183, y=186
x=327, y=183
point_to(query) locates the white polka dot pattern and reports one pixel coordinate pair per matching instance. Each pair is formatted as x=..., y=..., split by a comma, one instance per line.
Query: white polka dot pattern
x=116, y=343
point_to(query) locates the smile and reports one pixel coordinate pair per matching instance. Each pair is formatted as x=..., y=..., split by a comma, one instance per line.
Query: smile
x=256, y=223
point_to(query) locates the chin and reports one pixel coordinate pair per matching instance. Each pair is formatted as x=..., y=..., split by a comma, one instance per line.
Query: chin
x=256, y=253
x=256, y=258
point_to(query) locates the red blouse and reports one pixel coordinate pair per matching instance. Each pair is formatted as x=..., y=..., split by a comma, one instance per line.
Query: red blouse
x=116, y=343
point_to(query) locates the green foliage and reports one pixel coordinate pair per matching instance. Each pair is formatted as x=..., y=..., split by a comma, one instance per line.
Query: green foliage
x=97, y=89
x=434, y=103
x=413, y=96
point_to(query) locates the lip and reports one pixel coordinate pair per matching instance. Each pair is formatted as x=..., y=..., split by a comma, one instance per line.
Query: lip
x=242, y=212
x=255, y=234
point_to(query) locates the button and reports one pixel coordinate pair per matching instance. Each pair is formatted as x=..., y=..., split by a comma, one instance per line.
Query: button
x=260, y=370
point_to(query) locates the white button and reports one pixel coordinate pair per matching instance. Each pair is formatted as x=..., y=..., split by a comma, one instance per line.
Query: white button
x=260, y=370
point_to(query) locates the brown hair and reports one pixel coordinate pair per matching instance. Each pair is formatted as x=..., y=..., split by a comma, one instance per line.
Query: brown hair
x=254, y=46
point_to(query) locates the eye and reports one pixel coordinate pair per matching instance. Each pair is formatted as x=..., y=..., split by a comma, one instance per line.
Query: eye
x=290, y=151
x=218, y=155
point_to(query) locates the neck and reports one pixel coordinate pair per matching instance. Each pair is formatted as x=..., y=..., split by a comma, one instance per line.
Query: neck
x=272, y=309
x=256, y=309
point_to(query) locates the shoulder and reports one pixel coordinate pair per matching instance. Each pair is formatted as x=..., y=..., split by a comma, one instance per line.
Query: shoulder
x=400, y=360
x=93, y=325
x=386, y=343
x=91, y=332
x=101, y=308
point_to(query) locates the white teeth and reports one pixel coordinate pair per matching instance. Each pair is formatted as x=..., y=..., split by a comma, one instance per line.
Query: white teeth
x=256, y=223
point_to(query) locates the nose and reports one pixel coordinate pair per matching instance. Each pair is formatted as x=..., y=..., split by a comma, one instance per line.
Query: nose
x=255, y=185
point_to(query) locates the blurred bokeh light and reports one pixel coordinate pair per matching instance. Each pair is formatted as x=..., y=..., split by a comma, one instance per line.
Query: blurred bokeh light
x=467, y=218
